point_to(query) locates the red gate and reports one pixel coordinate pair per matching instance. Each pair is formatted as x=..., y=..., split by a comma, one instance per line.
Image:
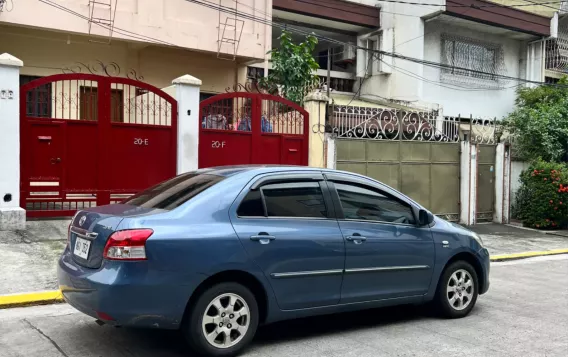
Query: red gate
x=89, y=140
x=252, y=128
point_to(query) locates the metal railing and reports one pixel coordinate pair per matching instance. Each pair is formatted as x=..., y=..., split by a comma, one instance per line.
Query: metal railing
x=407, y=125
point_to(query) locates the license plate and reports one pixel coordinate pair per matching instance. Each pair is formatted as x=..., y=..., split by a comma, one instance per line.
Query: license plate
x=82, y=247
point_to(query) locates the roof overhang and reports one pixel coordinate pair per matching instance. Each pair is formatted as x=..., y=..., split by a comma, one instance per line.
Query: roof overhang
x=335, y=10
x=501, y=16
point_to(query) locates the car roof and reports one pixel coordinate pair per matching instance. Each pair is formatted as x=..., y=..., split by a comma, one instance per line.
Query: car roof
x=253, y=170
x=228, y=171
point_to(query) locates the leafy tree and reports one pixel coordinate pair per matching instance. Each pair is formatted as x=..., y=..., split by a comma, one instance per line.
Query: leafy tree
x=293, y=67
x=539, y=123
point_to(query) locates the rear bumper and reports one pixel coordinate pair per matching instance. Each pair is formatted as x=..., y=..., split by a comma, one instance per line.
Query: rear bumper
x=126, y=293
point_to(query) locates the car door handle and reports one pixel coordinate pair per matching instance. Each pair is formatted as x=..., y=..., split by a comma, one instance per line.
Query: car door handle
x=356, y=239
x=262, y=238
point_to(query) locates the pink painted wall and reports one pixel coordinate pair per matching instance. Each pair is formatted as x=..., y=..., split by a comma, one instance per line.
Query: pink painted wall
x=177, y=22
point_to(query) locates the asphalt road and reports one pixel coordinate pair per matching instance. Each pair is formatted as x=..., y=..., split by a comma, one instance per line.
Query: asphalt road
x=525, y=313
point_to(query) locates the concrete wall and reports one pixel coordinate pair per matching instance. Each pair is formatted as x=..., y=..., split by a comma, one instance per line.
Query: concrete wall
x=517, y=167
x=491, y=102
x=172, y=22
x=46, y=53
x=408, y=41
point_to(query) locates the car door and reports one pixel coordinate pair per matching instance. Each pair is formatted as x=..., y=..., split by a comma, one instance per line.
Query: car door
x=387, y=255
x=284, y=223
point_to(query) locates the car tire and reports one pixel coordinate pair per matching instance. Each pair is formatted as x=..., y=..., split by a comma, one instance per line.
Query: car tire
x=457, y=290
x=214, y=327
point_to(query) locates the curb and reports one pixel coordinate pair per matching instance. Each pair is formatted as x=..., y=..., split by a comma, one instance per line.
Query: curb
x=515, y=256
x=28, y=299
x=55, y=296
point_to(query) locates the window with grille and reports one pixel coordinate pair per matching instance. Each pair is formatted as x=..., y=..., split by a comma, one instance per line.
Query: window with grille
x=38, y=99
x=469, y=58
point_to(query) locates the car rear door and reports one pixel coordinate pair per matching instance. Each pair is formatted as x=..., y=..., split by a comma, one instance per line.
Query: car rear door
x=285, y=222
x=387, y=255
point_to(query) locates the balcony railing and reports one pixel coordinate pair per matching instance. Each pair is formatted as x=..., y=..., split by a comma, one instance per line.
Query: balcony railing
x=339, y=81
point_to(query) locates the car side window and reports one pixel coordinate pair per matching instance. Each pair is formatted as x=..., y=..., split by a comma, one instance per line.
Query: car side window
x=360, y=203
x=296, y=199
x=251, y=206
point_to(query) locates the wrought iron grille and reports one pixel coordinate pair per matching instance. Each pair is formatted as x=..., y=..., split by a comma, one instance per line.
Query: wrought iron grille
x=406, y=125
x=472, y=61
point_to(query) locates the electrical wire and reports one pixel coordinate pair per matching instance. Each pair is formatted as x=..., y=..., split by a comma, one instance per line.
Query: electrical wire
x=5, y=3
x=451, y=86
x=443, y=5
x=545, y=4
x=123, y=32
x=233, y=11
x=323, y=38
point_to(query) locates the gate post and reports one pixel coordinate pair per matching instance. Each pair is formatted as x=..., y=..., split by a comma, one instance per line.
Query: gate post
x=316, y=105
x=12, y=216
x=502, y=183
x=187, y=95
x=468, y=183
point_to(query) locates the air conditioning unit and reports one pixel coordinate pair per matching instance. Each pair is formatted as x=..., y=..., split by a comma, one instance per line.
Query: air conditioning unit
x=344, y=54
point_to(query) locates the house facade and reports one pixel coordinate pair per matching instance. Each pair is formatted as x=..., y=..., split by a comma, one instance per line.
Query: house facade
x=496, y=42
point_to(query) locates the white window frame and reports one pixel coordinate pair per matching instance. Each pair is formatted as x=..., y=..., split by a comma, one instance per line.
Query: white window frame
x=367, y=65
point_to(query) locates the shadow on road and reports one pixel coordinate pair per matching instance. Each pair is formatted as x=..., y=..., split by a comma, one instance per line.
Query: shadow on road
x=170, y=343
x=337, y=323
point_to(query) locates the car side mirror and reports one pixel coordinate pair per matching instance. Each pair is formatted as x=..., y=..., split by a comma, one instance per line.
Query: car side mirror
x=425, y=217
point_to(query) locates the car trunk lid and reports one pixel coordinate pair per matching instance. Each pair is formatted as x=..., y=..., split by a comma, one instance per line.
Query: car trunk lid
x=91, y=229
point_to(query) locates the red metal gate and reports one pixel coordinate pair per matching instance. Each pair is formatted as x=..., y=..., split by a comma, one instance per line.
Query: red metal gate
x=89, y=140
x=252, y=128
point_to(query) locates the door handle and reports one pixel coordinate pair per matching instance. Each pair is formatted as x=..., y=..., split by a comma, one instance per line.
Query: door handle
x=357, y=239
x=262, y=238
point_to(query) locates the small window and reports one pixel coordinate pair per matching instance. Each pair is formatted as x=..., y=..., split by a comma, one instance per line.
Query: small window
x=251, y=205
x=294, y=200
x=173, y=192
x=360, y=203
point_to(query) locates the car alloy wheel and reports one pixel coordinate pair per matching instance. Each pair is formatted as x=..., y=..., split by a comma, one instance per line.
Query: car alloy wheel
x=460, y=290
x=226, y=320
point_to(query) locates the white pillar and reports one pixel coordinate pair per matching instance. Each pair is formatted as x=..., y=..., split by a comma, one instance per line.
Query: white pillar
x=187, y=95
x=331, y=156
x=468, y=183
x=502, y=183
x=12, y=216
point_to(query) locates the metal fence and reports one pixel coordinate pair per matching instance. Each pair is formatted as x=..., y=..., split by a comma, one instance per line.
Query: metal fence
x=407, y=125
x=417, y=153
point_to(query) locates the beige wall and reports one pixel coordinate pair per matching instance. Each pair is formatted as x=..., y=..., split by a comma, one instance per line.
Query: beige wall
x=46, y=53
x=175, y=22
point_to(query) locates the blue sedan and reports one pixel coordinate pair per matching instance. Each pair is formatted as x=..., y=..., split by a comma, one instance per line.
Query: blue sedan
x=216, y=252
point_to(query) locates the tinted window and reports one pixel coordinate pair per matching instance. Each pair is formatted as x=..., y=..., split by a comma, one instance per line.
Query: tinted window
x=294, y=200
x=365, y=204
x=174, y=192
x=251, y=205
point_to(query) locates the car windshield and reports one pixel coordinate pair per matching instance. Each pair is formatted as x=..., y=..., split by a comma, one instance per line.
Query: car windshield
x=173, y=192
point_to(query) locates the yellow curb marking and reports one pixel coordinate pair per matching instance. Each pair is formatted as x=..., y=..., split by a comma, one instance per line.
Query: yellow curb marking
x=528, y=254
x=30, y=298
x=56, y=296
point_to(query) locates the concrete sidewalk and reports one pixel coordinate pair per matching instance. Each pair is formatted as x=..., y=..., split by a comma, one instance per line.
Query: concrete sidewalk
x=28, y=259
x=504, y=239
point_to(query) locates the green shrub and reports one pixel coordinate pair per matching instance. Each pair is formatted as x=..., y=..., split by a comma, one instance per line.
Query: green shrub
x=542, y=200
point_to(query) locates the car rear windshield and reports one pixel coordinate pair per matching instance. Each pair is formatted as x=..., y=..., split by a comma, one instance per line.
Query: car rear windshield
x=173, y=192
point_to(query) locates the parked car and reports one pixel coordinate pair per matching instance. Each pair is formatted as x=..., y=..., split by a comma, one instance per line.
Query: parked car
x=218, y=251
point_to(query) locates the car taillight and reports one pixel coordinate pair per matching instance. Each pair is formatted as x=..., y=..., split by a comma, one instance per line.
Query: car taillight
x=127, y=245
